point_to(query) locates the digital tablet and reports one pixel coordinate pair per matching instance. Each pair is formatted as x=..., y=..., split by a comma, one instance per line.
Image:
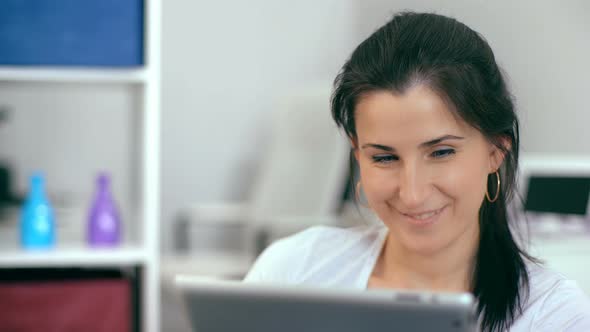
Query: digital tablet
x=224, y=306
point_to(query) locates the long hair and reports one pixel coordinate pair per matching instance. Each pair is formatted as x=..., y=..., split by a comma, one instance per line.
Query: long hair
x=458, y=64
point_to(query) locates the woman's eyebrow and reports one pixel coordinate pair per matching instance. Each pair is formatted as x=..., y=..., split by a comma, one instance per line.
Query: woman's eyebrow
x=422, y=145
x=378, y=146
x=440, y=139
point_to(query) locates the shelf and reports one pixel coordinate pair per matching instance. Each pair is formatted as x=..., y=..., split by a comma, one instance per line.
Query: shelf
x=72, y=257
x=73, y=74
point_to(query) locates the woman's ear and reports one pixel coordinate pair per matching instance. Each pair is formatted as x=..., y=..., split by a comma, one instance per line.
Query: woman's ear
x=497, y=154
x=355, y=150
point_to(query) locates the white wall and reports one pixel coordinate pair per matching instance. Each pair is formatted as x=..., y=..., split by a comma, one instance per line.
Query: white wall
x=223, y=65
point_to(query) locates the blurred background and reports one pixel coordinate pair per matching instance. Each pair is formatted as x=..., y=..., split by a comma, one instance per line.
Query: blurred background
x=217, y=136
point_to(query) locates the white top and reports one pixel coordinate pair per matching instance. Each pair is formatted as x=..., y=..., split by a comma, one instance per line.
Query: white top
x=339, y=257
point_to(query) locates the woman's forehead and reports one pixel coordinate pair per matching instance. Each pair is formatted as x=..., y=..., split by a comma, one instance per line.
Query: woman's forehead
x=417, y=114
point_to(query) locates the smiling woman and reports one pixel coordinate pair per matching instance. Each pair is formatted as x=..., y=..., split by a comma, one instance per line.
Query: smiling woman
x=423, y=172
x=434, y=132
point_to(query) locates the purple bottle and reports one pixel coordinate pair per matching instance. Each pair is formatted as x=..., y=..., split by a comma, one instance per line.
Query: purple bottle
x=104, y=225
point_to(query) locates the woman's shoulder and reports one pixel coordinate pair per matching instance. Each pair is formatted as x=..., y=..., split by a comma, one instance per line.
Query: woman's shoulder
x=554, y=302
x=299, y=257
x=545, y=282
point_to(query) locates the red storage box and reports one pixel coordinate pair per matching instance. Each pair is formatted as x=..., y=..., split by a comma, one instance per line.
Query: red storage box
x=64, y=306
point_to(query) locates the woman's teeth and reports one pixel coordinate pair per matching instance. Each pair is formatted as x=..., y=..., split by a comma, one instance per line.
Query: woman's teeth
x=425, y=215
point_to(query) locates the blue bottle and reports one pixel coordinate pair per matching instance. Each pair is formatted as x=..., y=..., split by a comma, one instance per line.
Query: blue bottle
x=37, y=227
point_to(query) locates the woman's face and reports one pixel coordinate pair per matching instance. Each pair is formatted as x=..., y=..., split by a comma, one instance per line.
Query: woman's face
x=423, y=170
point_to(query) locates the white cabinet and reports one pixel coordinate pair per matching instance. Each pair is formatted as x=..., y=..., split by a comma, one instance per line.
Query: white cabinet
x=137, y=89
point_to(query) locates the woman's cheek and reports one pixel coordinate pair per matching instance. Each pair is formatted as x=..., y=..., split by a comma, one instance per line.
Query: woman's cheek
x=378, y=185
x=462, y=182
x=450, y=180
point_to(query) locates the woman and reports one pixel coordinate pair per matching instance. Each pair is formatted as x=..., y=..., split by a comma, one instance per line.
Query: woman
x=433, y=130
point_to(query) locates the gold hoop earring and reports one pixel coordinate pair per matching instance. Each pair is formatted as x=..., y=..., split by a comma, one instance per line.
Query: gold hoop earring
x=358, y=195
x=497, y=190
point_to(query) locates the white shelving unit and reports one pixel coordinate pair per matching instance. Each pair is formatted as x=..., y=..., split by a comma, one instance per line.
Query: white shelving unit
x=73, y=256
x=143, y=250
x=61, y=75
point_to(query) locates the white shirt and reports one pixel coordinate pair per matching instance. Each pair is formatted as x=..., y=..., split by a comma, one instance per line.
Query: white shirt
x=345, y=257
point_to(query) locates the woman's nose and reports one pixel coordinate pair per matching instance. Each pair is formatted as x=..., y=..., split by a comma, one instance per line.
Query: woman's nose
x=413, y=188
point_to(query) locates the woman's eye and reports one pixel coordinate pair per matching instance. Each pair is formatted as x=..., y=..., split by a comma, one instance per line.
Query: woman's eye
x=443, y=153
x=384, y=159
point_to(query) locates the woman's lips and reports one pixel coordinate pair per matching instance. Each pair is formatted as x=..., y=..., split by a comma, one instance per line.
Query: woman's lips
x=424, y=218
